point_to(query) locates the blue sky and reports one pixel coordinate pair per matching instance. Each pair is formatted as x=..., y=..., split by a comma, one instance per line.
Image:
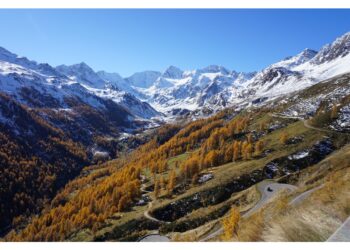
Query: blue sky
x=127, y=41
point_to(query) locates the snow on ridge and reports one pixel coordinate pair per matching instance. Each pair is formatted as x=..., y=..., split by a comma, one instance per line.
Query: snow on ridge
x=294, y=61
x=143, y=79
x=289, y=75
x=213, y=86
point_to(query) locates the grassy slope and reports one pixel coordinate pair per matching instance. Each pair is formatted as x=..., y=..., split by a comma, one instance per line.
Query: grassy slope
x=224, y=174
x=318, y=216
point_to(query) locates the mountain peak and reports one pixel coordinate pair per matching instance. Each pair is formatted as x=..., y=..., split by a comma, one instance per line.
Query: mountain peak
x=308, y=53
x=108, y=74
x=82, y=73
x=75, y=68
x=5, y=53
x=293, y=61
x=215, y=69
x=8, y=56
x=339, y=48
x=345, y=37
x=143, y=79
x=82, y=65
x=115, y=80
x=173, y=72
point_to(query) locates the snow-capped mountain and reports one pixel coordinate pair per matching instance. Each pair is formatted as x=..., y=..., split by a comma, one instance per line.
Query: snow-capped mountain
x=79, y=80
x=174, y=91
x=214, y=87
x=294, y=73
x=338, y=49
x=289, y=75
x=293, y=61
x=143, y=79
x=83, y=74
x=109, y=86
x=113, y=79
x=303, y=70
x=69, y=98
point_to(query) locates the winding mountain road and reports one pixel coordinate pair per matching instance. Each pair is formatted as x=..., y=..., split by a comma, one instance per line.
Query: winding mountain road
x=154, y=236
x=297, y=200
x=147, y=214
x=342, y=234
x=267, y=195
x=150, y=204
x=268, y=190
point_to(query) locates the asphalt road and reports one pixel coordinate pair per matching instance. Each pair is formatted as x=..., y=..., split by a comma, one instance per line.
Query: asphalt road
x=266, y=195
x=155, y=236
x=268, y=190
x=297, y=200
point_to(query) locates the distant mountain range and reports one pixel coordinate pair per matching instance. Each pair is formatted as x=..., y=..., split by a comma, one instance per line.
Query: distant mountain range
x=159, y=95
x=215, y=87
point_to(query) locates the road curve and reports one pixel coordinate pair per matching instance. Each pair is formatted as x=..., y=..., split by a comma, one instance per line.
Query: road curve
x=263, y=186
x=297, y=200
x=150, y=204
x=155, y=236
x=150, y=217
x=268, y=190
